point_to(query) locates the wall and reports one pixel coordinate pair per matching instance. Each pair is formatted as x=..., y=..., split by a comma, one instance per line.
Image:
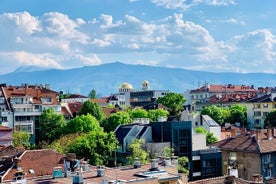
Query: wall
x=248, y=164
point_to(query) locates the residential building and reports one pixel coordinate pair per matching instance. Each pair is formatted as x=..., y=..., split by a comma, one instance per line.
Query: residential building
x=228, y=131
x=34, y=163
x=5, y=136
x=205, y=121
x=187, y=143
x=220, y=95
x=259, y=107
x=22, y=105
x=71, y=98
x=249, y=154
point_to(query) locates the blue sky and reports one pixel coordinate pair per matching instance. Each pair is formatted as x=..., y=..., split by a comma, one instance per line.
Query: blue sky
x=207, y=35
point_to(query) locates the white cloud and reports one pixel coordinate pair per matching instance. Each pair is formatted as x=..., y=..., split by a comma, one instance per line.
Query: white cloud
x=55, y=40
x=184, y=5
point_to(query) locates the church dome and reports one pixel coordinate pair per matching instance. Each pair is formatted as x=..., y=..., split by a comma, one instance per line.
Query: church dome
x=125, y=85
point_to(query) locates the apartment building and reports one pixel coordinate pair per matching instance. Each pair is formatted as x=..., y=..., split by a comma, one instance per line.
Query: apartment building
x=219, y=95
x=259, y=107
x=22, y=105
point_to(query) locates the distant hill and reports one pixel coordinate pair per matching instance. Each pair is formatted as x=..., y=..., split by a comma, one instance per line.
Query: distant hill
x=106, y=78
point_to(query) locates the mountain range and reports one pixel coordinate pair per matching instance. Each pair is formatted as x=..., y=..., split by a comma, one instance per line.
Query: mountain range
x=107, y=78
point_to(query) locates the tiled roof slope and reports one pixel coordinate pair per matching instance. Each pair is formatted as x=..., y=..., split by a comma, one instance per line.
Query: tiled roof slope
x=261, y=141
x=35, y=91
x=225, y=88
x=41, y=161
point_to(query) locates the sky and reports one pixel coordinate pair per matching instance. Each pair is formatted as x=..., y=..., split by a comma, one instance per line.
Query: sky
x=206, y=35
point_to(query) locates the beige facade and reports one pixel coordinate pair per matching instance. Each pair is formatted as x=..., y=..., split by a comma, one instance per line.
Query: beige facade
x=247, y=164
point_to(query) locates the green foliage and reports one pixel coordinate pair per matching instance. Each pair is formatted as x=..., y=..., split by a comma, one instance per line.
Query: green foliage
x=210, y=138
x=156, y=113
x=95, y=146
x=215, y=113
x=139, y=113
x=270, y=120
x=94, y=109
x=82, y=124
x=137, y=152
x=118, y=118
x=61, y=144
x=92, y=94
x=21, y=139
x=173, y=101
x=168, y=152
x=50, y=126
x=237, y=114
x=183, y=164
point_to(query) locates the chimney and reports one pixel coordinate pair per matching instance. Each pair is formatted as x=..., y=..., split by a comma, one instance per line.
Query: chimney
x=274, y=132
x=233, y=132
x=154, y=165
x=175, y=161
x=100, y=171
x=269, y=133
x=136, y=163
x=243, y=131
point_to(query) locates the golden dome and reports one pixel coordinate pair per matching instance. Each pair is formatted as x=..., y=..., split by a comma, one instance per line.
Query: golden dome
x=125, y=85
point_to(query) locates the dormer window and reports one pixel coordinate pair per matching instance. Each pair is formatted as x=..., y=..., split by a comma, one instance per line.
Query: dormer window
x=46, y=100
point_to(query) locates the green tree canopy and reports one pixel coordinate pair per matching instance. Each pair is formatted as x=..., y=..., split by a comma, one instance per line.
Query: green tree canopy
x=139, y=113
x=49, y=127
x=215, y=113
x=238, y=114
x=210, y=138
x=118, y=118
x=94, y=109
x=173, y=101
x=183, y=165
x=92, y=94
x=270, y=120
x=156, y=113
x=21, y=139
x=136, y=151
x=95, y=146
x=83, y=124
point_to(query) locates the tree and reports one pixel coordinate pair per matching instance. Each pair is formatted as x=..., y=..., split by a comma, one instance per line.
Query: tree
x=61, y=144
x=118, y=118
x=136, y=151
x=182, y=165
x=95, y=146
x=270, y=119
x=210, y=138
x=168, y=152
x=156, y=113
x=94, y=109
x=83, y=124
x=238, y=114
x=21, y=139
x=139, y=113
x=49, y=127
x=92, y=94
x=215, y=113
x=173, y=101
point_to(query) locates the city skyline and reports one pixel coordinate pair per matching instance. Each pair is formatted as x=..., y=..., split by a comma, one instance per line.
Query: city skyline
x=205, y=35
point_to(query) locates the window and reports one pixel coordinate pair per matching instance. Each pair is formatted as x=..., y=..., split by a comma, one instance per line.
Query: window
x=257, y=113
x=268, y=172
x=24, y=128
x=257, y=106
x=267, y=158
x=265, y=105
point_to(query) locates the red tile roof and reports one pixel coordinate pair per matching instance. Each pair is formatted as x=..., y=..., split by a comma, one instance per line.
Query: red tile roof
x=37, y=92
x=225, y=88
x=261, y=141
x=41, y=161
